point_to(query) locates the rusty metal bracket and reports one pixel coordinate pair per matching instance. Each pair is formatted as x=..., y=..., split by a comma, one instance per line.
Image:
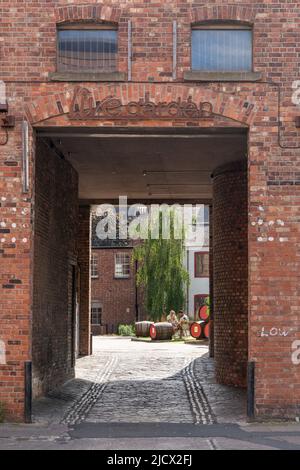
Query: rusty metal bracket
x=3, y=108
x=8, y=122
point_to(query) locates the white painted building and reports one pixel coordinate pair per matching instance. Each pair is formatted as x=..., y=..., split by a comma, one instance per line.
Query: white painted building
x=197, y=265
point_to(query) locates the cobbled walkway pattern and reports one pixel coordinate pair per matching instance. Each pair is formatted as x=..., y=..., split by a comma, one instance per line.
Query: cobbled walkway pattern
x=137, y=382
x=134, y=382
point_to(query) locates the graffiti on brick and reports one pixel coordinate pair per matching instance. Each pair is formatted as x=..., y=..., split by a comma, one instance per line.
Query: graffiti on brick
x=2, y=353
x=275, y=332
x=2, y=93
x=84, y=107
x=296, y=92
x=296, y=352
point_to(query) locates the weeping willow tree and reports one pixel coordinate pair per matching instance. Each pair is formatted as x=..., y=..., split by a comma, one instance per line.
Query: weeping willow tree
x=161, y=271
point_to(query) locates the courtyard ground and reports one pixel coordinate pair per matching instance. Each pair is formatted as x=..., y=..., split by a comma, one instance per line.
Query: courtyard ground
x=136, y=395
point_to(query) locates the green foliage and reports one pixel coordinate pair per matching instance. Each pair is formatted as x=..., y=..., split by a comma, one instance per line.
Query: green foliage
x=207, y=303
x=1, y=412
x=161, y=272
x=126, y=330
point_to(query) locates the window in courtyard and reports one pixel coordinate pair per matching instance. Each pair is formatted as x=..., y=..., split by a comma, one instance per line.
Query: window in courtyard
x=94, y=266
x=222, y=48
x=96, y=314
x=201, y=264
x=122, y=266
x=87, y=48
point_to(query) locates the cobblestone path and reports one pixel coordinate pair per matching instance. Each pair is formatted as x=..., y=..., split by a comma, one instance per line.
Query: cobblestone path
x=137, y=382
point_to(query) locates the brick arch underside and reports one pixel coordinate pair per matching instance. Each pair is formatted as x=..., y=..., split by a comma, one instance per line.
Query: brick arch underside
x=223, y=13
x=110, y=13
x=95, y=12
x=240, y=110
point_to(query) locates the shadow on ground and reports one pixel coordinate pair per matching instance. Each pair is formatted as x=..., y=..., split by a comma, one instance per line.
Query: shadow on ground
x=172, y=399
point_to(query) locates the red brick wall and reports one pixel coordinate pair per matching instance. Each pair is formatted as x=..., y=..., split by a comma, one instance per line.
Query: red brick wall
x=28, y=48
x=55, y=230
x=15, y=276
x=115, y=295
x=84, y=258
x=230, y=274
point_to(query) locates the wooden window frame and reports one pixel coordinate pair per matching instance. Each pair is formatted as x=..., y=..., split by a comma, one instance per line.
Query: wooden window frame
x=87, y=26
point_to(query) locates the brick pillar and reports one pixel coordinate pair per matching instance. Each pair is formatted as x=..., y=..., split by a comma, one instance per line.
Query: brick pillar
x=211, y=286
x=84, y=257
x=230, y=273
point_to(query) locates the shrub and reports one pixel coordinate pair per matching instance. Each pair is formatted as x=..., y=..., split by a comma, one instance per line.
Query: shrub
x=126, y=330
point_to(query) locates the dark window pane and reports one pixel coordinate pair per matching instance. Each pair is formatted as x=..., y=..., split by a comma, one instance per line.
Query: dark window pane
x=96, y=313
x=87, y=50
x=222, y=50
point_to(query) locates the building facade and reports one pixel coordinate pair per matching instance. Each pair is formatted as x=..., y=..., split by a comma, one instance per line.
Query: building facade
x=197, y=263
x=115, y=298
x=155, y=91
x=114, y=293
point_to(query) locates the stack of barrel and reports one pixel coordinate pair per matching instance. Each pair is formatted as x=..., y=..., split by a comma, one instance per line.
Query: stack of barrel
x=156, y=331
x=200, y=329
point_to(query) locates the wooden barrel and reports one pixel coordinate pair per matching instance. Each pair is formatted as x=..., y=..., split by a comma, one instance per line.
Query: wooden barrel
x=196, y=329
x=204, y=313
x=142, y=328
x=160, y=331
x=206, y=331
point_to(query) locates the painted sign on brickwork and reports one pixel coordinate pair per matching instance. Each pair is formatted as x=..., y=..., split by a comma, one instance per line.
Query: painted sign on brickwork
x=296, y=353
x=84, y=107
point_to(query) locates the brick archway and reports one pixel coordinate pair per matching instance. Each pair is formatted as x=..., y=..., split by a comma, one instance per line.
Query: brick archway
x=242, y=108
x=223, y=12
x=236, y=108
x=94, y=12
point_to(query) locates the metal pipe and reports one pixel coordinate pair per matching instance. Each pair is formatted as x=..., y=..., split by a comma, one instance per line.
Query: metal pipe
x=28, y=392
x=91, y=344
x=138, y=136
x=25, y=156
x=129, y=50
x=174, y=75
x=251, y=390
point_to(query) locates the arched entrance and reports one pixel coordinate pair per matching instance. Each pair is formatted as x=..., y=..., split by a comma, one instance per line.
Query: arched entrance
x=185, y=129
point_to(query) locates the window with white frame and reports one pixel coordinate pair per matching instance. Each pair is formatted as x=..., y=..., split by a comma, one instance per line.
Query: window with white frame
x=96, y=314
x=122, y=265
x=94, y=266
x=222, y=48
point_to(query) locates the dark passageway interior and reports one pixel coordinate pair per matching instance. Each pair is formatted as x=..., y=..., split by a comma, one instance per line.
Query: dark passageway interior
x=147, y=163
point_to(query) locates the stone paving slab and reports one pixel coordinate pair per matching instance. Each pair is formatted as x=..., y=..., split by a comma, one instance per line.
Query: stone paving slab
x=151, y=437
